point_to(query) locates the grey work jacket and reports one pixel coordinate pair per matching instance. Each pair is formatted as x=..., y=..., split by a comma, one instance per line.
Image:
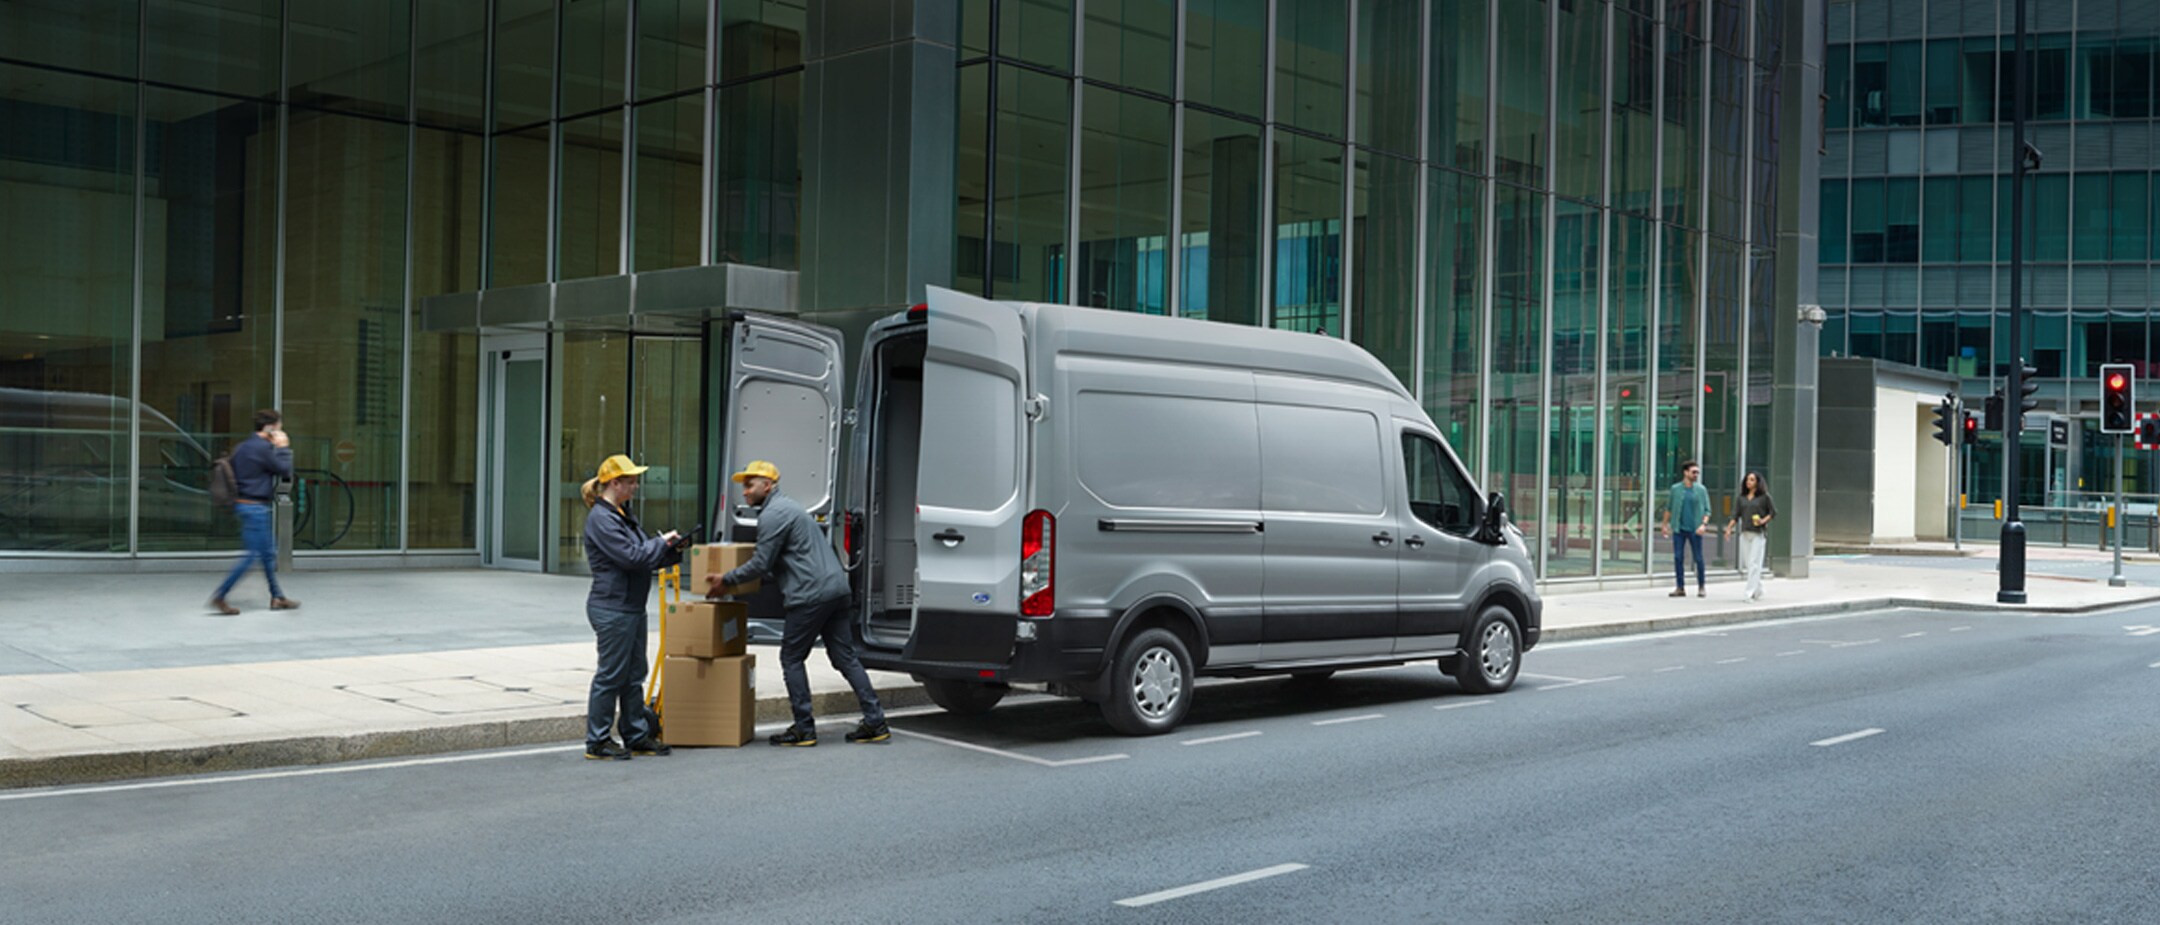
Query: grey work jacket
x=622, y=558
x=791, y=547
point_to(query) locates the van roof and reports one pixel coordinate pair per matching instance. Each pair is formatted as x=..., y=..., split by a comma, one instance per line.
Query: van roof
x=1211, y=343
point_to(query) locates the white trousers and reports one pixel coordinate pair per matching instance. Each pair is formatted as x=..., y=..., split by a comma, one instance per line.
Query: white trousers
x=1752, y=546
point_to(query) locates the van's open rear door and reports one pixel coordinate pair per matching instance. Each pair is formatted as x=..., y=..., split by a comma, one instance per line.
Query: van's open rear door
x=784, y=405
x=970, y=482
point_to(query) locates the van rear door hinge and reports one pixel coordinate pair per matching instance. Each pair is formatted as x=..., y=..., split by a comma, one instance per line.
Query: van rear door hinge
x=1037, y=407
x=847, y=417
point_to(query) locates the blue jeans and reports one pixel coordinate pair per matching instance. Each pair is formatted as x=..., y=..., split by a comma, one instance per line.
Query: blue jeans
x=1682, y=541
x=617, y=683
x=261, y=543
x=833, y=621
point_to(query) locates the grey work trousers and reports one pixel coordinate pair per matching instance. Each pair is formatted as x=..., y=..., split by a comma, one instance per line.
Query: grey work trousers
x=833, y=621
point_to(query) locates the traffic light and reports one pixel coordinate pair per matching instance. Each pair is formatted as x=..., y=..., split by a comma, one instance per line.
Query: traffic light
x=1972, y=428
x=1946, y=427
x=2116, y=397
x=2148, y=432
x=1993, y=413
x=2028, y=385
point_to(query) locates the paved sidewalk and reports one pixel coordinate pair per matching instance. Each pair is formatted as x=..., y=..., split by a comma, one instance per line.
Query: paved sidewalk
x=131, y=677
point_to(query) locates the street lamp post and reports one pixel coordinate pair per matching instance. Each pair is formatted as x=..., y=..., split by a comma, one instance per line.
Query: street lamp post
x=2012, y=568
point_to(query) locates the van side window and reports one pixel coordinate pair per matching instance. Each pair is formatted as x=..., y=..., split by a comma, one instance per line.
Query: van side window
x=1439, y=495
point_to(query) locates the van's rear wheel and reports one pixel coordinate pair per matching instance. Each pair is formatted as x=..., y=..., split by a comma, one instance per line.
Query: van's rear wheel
x=1492, y=653
x=963, y=698
x=1150, y=686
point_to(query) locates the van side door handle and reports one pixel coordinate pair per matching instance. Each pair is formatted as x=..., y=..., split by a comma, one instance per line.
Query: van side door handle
x=950, y=537
x=1414, y=541
x=1383, y=538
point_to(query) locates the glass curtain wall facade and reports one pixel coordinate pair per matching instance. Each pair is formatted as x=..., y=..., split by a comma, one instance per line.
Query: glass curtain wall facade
x=208, y=208
x=1916, y=210
x=1553, y=219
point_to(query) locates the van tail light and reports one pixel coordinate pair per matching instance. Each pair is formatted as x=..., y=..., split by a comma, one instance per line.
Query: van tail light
x=851, y=533
x=1038, y=565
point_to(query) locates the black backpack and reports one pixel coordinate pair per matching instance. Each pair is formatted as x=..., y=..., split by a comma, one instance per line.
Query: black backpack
x=224, y=487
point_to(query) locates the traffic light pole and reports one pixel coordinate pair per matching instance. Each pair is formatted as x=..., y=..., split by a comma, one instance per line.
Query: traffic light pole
x=2116, y=580
x=2011, y=590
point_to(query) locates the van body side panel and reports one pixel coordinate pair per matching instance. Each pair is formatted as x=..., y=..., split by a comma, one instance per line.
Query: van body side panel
x=1155, y=468
x=1442, y=572
x=1332, y=533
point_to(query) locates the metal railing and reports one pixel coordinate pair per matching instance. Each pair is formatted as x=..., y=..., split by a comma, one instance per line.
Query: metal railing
x=2082, y=525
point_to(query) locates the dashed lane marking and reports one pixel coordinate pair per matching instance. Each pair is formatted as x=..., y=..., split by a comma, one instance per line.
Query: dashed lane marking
x=1959, y=629
x=1793, y=652
x=1210, y=740
x=1204, y=886
x=1840, y=643
x=1347, y=719
x=1670, y=668
x=1566, y=682
x=1732, y=661
x=2142, y=630
x=1016, y=756
x=1462, y=703
x=1848, y=737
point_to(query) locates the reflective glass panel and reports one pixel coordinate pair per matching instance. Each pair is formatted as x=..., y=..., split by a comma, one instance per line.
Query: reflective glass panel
x=1125, y=194
x=1037, y=31
x=451, y=76
x=1458, y=84
x=222, y=46
x=1572, y=428
x=1630, y=487
x=1454, y=307
x=67, y=238
x=1219, y=276
x=1522, y=132
x=1311, y=64
x=1034, y=117
x=520, y=189
x=671, y=155
x=524, y=62
x=760, y=37
x=1580, y=115
x=1518, y=343
x=1383, y=259
x=589, y=241
x=446, y=212
x=593, y=69
x=1128, y=43
x=441, y=492
x=90, y=35
x=351, y=56
x=1308, y=234
x=1388, y=34
x=760, y=172
x=670, y=46
x=1226, y=55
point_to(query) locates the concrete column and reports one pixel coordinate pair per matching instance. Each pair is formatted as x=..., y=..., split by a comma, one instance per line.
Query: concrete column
x=878, y=151
x=1793, y=402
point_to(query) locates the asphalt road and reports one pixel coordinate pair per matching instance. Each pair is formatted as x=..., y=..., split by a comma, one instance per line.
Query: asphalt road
x=1905, y=766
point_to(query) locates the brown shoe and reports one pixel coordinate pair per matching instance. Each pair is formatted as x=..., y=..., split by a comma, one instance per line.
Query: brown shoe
x=218, y=604
x=284, y=603
x=1679, y=592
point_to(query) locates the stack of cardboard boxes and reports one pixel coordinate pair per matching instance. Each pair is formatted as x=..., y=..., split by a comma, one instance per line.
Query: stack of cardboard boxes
x=708, y=683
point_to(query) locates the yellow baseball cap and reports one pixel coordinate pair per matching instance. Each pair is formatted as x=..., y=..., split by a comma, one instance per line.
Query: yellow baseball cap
x=756, y=469
x=617, y=466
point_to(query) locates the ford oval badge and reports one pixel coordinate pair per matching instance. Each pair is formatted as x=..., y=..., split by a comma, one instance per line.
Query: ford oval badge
x=982, y=597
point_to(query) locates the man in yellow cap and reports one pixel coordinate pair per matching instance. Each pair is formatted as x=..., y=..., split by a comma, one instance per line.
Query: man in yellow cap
x=814, y=590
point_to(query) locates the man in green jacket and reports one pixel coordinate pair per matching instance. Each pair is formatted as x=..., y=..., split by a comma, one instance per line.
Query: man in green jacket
x=1687, y=512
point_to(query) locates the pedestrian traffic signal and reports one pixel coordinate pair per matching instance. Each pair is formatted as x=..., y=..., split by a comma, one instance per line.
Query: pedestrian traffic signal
x=2148, y=433
x=1993, y=412
x=1946, y=427
x=2116, y=398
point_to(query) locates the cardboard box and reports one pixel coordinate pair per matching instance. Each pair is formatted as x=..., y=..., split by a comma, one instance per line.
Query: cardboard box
x=707, y=629
x=708, y=701
x=715, y=559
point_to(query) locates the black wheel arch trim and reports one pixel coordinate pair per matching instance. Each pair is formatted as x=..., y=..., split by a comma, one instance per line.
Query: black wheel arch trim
x=1150, y=604
x=1517, y=603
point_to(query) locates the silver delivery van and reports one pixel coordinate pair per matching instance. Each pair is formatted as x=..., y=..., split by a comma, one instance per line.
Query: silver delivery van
x=1110, y=505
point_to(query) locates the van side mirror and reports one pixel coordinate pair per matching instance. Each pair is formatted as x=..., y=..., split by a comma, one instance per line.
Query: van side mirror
x=1490, y=522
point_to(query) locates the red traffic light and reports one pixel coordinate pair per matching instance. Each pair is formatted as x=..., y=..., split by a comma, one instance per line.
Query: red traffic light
x=2117, y=381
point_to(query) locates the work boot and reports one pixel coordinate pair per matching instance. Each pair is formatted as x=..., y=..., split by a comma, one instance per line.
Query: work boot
x=866, y=733
x=606, y=749
x=218, y=605
x=284, y=603
x=795, y=736
x=1678, y=592
x=650, y=746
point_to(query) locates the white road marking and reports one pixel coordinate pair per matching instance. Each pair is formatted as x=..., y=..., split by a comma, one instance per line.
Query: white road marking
x=1566, y=682
x=1348, y=719
x=1732, y=661
x=2142, y=630
x=1216, y=884
x=1959, y=629
x=295, y=772
x=1838, y=644
x=1224, y=738
x=1671, y=668
x=1793, y=652
x=1912, y=635
x=1016, y=756
x=1840, y=740
x=1470, y=703
x=2153, y=665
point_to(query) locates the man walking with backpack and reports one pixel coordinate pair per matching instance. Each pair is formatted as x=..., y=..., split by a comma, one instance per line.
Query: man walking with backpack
x=257, y=464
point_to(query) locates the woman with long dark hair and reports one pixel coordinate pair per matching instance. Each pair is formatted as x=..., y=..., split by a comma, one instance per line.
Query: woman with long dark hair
x=622, y=559
x=1752, y=512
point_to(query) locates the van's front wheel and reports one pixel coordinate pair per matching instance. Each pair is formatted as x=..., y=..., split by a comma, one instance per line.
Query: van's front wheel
x=963, y=698
x=1492, y=653
x=1150, y=686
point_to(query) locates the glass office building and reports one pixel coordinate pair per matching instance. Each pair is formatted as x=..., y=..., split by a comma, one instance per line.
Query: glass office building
x=471, y=248
x=1915, y=210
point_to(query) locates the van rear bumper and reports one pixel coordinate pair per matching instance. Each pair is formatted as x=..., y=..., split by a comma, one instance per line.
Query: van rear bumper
x=1066, y=649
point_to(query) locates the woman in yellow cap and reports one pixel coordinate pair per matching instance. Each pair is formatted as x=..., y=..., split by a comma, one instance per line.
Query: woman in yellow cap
x=623, y=561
